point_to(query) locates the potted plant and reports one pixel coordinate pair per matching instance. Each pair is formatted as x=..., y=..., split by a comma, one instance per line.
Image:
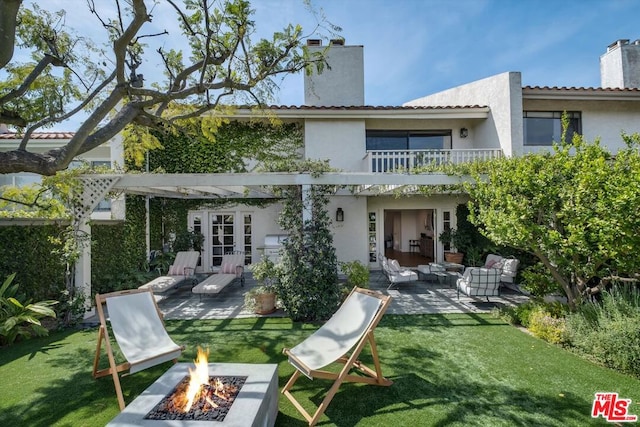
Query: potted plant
x=261, y=299
x=449, y=238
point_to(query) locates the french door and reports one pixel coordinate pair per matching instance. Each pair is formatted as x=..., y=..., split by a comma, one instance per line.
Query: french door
x=223, y=232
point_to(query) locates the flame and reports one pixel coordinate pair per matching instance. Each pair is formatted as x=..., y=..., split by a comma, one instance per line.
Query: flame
x=198, y=377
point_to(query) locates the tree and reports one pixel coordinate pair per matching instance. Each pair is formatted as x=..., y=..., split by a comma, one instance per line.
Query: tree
x=308, y=274
x=576, y=209
x=68, y=75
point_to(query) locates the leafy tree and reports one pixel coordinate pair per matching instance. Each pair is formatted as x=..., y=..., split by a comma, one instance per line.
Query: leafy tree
x=576, y=209
x=68, y=75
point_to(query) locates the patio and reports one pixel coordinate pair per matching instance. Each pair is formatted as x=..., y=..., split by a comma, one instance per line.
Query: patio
x=421, y=297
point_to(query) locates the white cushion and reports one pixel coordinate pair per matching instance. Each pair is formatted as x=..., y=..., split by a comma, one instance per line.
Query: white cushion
x=510, y=265
x=394, y=265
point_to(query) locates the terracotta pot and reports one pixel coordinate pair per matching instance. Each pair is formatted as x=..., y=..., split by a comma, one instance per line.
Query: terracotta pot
x=265, y=303
x=454, y=257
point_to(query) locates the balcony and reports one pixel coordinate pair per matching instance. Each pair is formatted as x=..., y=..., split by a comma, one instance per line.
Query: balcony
x=380, y=161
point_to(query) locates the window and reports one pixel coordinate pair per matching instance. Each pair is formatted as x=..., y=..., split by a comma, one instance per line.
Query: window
x=545, y=127
x=408, y=140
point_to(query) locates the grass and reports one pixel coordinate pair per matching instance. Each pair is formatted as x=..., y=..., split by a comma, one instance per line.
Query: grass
x=448, y=370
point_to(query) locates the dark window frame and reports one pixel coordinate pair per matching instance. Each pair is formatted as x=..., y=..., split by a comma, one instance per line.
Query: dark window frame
x=540, y=127
x=407, y=140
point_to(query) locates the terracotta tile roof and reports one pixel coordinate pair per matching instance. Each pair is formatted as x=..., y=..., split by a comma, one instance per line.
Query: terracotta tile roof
x=39, y=135
x=584, y=89
x=372, y=107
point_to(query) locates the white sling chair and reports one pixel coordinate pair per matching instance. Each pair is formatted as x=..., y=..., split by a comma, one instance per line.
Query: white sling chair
x=350, y=328
x=139, y=331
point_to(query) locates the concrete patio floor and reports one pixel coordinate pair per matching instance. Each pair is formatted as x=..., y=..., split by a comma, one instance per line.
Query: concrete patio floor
x=421, y=297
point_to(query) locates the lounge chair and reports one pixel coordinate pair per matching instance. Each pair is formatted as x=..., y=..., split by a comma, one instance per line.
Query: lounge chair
x=479, y=282
x=138, y=328
x=396, y=274
x=508, y=267
x=183, y=268
x=231, y=269
x=349, y=329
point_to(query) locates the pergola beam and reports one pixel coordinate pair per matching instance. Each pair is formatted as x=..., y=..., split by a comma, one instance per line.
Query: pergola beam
x=235, y=181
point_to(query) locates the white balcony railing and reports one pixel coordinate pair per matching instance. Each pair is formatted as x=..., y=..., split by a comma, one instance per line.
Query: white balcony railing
x=392, y=160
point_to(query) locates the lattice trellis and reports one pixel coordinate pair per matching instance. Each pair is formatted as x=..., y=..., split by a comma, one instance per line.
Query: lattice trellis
x=93, y=191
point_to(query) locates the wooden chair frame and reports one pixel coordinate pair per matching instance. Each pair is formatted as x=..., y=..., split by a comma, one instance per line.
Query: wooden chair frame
x=350, y=361
x=115, y=369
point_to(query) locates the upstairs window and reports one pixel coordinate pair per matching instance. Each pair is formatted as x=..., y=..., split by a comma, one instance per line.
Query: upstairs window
x=408, y=140
x=545, y=127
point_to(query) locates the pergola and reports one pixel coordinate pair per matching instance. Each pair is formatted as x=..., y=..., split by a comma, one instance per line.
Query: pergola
x=232, y=186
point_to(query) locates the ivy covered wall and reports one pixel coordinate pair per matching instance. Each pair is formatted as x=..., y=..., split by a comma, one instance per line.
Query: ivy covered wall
x=270, y=146
x=29, y=252
x=118, y=250
x=118, y=253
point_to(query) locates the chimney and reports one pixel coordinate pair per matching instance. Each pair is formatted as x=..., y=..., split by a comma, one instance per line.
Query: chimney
x=620, y=65
x=341, y=83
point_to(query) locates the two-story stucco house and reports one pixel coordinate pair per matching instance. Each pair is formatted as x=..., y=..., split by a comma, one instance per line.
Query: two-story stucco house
x=488, y=118
x=372, y=146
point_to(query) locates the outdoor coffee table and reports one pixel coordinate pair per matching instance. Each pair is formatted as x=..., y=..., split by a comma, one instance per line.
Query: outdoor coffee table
x=447, y=271
x=424, y=271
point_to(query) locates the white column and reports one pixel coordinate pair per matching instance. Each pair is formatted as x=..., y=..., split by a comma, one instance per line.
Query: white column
x=147, y=227
x=83, y=265
x=306, y=203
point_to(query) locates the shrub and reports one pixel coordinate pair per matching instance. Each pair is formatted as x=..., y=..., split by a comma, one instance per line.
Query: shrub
x=547, y=327
x=357, y=273
x=521, y=314
x=608, y=332
x=21, y=320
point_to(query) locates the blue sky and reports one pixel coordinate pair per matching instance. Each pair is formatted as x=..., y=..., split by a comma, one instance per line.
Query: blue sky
x=417, y=47
x=413, y=48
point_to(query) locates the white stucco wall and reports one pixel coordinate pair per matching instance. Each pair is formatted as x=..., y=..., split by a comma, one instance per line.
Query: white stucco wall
x=350, y=236
x=620, y=65
x=600, y=119
x=503, y=94
x=340, y=85
x=343, y=142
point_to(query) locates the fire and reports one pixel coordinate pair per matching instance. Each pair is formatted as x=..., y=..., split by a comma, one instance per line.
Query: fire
x=199, y=377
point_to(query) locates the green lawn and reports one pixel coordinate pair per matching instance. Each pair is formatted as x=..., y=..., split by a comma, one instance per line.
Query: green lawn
x=448, y=370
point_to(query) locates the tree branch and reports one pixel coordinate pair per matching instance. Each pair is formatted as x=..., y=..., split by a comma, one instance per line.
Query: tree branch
x=8, y=13
x=90, y=97
x=33, y=75
x=121, y=43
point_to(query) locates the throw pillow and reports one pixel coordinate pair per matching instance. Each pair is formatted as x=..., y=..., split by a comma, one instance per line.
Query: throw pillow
x=490, y=263
x=510, y=265
x=228, y=268
x=394, y=265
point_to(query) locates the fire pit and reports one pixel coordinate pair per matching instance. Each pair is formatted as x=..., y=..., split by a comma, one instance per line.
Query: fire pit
x=255, y=404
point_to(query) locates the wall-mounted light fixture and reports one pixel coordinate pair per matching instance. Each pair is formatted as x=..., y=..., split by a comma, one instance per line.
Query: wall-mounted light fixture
x=464, y=132
x=339, y=215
